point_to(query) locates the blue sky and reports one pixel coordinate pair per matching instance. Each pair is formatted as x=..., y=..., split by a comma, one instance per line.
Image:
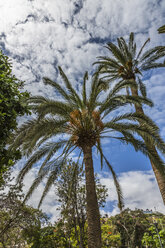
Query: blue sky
x=39, y=35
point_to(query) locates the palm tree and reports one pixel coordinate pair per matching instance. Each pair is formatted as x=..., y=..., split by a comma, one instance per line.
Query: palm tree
x=125, y=65
x=80, y=122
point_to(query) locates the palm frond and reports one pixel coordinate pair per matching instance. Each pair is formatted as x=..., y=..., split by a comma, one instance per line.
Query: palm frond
x=107, y=61
x=99, y=148
x=124, y=48
x=161, y=29
x=143, y=46
x=142, y=87
x=84, y=96
x=146, y=55
x=122, y=100
x=49, y=148
x=117, y=185
x=73, y=94
x=53, y=107
x=34, y=185
x=51, y=178
x=116, y=53
x=131, y=45
x=119, y=86
x=59, y=89
x=137, y=117
x=41, y=128
x=152, y=66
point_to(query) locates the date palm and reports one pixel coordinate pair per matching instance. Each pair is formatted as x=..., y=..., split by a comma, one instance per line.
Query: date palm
x=80, y=122
x=125, y=65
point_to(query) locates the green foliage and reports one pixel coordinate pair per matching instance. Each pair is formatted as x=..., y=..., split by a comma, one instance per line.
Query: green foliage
x=155, y=234
x=70, y=188
x=17, y=219
x=131, y=225
x=12, y=105
x=109, y=235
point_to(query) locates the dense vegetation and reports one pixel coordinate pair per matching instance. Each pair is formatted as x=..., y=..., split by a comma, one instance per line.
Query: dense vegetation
x=12, y=105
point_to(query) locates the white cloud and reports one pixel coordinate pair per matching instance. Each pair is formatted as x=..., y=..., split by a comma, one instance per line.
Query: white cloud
x=44, y=34
x=140, y=190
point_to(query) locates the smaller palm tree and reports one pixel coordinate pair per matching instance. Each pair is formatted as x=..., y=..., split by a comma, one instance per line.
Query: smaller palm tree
x=80, y=122
x=125, y=65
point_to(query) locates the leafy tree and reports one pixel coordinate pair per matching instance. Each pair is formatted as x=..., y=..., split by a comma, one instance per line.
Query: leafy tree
x=12, y=105
x=86, y=120
x=131, y=225
x=155, y=234
x=16, y=218
x=72, y=196
x=110, y=237
x=151, y=238
x=126, y=65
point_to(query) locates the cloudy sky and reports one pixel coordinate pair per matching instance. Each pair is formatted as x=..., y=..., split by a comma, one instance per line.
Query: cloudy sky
x=39, y=35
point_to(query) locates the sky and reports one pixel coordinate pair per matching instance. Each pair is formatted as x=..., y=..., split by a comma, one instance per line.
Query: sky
x=41, y=35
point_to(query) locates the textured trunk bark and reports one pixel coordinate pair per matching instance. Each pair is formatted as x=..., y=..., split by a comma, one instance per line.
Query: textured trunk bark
x=93, y=215
x=159, y=177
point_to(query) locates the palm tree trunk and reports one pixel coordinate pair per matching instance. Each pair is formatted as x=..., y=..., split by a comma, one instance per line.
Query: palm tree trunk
x=93, y=215
x=159, y=177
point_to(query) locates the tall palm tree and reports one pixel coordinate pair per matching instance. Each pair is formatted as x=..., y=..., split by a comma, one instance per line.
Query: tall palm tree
x=125, y=65
x=80, y=122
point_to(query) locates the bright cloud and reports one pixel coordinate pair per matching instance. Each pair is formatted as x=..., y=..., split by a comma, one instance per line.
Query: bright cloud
x=139, y=188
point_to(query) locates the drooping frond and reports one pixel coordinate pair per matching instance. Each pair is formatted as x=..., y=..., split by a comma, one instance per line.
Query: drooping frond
x=52, y=107
x=105, y=61
x=34, y=185
x=137, y=117
x=117, y=185
x=142, y=87
x=49, y=148
x=150, y=53
x=51, y=179
x=99, y=148
x=119, y=86
x=153, y=66
x=108, y=103
x=149, y=133
x=38, y=130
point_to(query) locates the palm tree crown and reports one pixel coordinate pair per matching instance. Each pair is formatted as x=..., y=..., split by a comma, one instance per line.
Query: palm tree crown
x=127, y=63
x=80, y=122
